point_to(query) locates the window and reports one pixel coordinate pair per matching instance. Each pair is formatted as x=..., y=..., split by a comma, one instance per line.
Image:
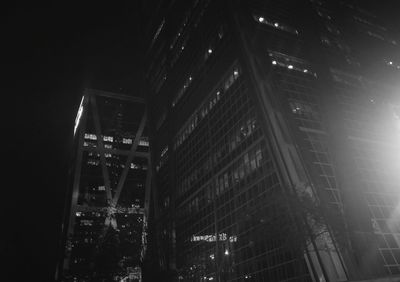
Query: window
x=126, y=141
x=275, y=24
x=207, y=105
x=289, y=62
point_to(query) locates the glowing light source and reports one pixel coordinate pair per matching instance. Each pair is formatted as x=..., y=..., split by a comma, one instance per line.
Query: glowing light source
x=226, y=252
x=274, y=62
x=210, y=51
x=305, y=70
x=276, y=24
x=290, y=67
x=390, y=63
x=79, y=115
x=260, y=19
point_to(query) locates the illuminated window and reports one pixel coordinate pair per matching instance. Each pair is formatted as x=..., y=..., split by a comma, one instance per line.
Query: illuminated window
x=144, y=142
x=90, y=136
x=282, y=60
x=303, y=110
x=207, y=105
x=93, y=162
x=275, y=24
x=182, y=91
x=126, y=141
x=108, y=138
x=86, y=222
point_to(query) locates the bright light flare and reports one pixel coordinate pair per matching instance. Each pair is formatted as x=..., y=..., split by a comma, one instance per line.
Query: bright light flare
x=79, y=115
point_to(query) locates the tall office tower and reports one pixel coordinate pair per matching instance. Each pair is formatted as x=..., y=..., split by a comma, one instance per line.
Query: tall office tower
x=276, y=141
x=105, y=229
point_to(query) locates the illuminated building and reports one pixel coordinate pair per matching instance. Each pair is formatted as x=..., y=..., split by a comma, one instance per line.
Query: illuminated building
x=106, y=225
x=270, y=125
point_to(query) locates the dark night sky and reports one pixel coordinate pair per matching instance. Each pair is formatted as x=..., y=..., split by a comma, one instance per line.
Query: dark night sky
x=51, y=54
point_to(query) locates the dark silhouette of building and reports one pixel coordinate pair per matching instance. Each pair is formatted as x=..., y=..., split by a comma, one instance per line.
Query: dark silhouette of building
x=275, y=140
x=105, y=230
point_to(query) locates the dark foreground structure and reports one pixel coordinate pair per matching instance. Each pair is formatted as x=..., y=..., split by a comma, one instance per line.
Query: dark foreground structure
x=276, y=142
x=106, y=218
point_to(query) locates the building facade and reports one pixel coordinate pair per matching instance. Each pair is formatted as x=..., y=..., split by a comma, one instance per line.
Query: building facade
x=106, y=218
x=275, y=129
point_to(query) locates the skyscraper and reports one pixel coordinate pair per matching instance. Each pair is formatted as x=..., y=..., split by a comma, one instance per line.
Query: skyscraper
x=106, y=218
x=276, y=141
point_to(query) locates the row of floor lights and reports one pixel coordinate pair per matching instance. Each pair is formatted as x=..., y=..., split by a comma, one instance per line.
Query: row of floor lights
x=289, y=66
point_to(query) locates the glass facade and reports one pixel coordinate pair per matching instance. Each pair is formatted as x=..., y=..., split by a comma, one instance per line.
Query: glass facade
x=106, y=236
x=271, y=145
x=226, y=178
x=372, y=135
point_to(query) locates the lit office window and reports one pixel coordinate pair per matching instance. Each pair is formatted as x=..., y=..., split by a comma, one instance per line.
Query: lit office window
x=93, y=162
x=90, y=136
x=144, y=142
x=275, y=24
x=108, y=138
x=126, y=141
x=292, y=63
x=207, y=105
x=182, y=91
x=86, y=222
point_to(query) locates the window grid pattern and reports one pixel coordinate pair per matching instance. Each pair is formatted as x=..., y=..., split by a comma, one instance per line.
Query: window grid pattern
x=223, y=215
x=383, y=202
x=374, y=162
x=303, y=104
